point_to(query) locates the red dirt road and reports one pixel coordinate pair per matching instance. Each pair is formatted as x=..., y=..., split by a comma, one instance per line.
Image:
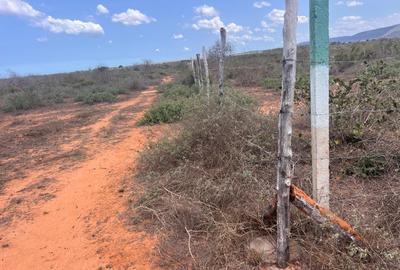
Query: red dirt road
x=80, y=225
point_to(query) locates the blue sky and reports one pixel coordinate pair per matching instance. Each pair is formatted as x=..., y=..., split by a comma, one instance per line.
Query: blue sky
x=48, y=36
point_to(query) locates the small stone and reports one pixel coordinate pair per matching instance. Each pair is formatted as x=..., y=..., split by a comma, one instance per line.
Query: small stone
x=263, y=249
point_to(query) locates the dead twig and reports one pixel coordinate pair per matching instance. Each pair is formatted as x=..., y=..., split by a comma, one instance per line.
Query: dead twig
x=189, y=245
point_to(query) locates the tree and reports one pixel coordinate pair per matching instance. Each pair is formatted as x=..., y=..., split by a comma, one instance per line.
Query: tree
x=213, y=52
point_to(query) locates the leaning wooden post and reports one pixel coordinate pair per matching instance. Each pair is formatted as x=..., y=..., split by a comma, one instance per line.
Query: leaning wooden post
x=207, y=74
x=199, y=71
x=194, y=71
x=319, y=55
x=285, y=164
x=221, y=64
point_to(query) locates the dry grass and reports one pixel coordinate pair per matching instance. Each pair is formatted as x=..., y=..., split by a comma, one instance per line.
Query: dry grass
x=98, y=85
x=210, y=185
x=206, y=191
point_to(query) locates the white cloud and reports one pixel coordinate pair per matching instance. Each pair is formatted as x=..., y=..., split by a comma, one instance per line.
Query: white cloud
x=177, y=36
x=40, y=19
x=277, y=17
x=42, y=39
x=102, y=9
x=351, y=18
x=157, y=50
x=349, y=25
x=350, y=3
x=207, y=11
x=246, y=38
x=267, y=27
x=234, y=28
x=216, y=23
x=213, y=23
x=19, y=8
x=261, y=4
x=68, y=26
x=132, y=17
x=392, y=19
x=186, y=49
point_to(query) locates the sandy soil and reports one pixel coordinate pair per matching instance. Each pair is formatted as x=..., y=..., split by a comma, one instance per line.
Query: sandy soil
x=72, y=218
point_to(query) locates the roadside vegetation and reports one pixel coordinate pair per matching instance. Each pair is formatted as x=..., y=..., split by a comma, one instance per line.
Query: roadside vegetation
x=263, y=68
x=175, y=101
x=105, y=84
x=99, y=85
x=207, y=188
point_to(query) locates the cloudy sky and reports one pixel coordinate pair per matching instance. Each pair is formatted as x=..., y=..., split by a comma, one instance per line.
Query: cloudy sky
x=44, y=36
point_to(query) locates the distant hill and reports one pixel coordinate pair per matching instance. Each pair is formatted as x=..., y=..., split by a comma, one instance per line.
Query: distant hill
x=385, y=32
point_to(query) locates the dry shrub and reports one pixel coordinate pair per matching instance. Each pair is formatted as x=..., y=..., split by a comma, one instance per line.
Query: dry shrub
x=206, y=191
x=322, y=249
x=210, y=183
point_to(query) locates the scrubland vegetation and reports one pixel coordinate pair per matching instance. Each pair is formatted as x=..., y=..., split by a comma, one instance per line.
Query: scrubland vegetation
x=207, y=188
x=175, y=100
x=101, y=84
x=264, y=68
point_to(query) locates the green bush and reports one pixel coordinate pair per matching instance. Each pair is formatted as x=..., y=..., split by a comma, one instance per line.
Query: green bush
x=187, y=79
x=90, y=97
x=119, y=91
x=163, y=112
x=175, y=91
x=138, y=84
x=172, y=104
x=303, y=89
x=359, y=105
x=369, y=166
x=272, y=83
x=23, y=100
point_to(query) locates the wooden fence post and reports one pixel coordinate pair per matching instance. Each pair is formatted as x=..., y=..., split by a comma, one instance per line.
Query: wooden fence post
x=207, y=74
x=194, y=72
x=285, y=164
x=221, y=64
x=319, y=86
x=200, y=72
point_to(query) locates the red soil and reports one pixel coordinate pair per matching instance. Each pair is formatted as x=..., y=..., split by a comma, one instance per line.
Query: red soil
x=80, y=226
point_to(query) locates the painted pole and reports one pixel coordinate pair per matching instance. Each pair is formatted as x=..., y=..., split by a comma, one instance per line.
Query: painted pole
x=206, y=73
x=221, y=64
x=319, y=85
x=200, y=72
x=285, y=163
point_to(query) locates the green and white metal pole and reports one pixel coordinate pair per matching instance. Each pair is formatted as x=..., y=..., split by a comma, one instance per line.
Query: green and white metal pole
x=319, y=55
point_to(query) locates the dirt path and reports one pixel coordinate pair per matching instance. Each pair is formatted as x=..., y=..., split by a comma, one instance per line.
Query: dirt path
x=79, y=224
x=269, y=100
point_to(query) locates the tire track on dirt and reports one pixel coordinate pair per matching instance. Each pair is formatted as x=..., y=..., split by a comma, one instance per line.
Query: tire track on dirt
x=82, y=226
